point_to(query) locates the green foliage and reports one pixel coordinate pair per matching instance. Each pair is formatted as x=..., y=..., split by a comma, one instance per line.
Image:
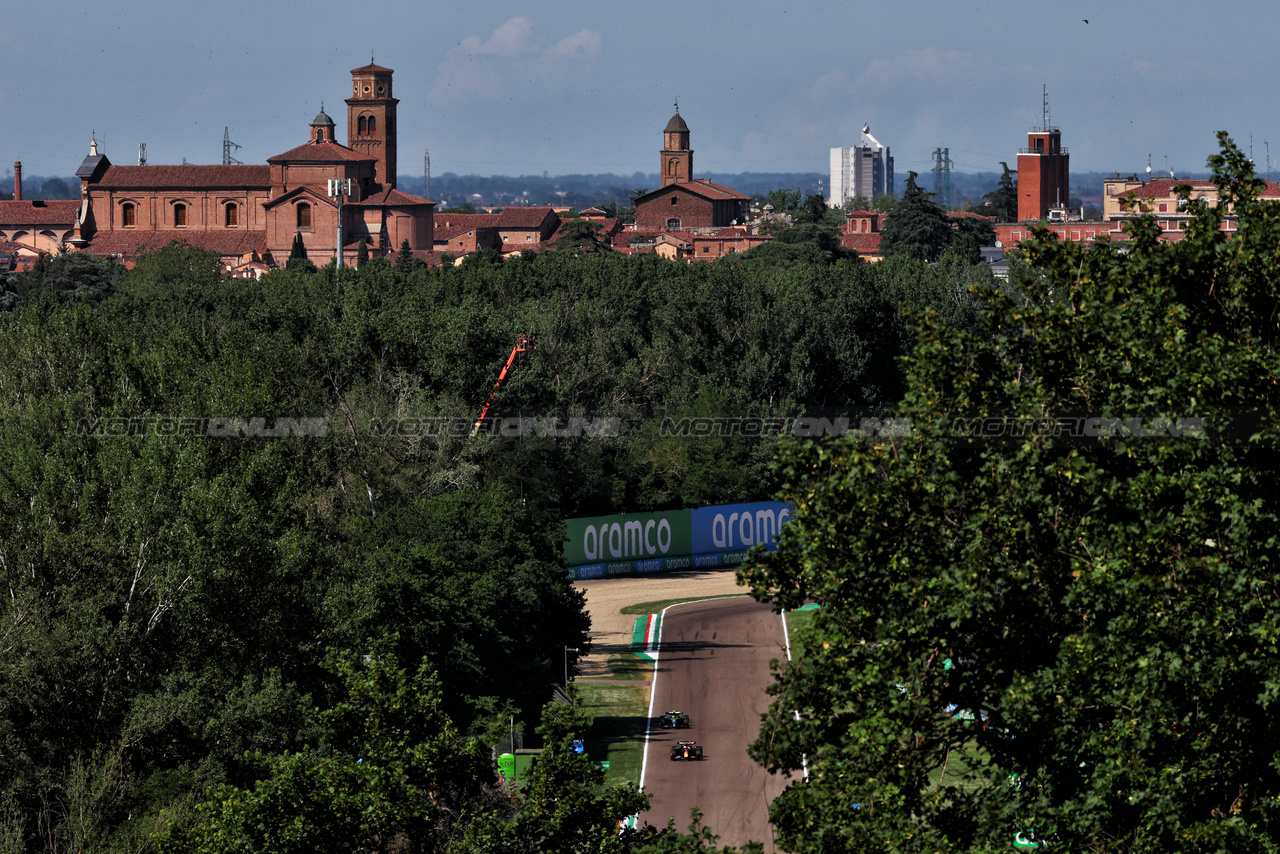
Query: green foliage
x=580, y=235
x=1075, y=637
x=562, y=807
x=362, y=253
x=299, y=250
x=917, y=227
x=170, y=591
x=783, y=201
x=390, y=773
x=1002, y=202
x=404, y=258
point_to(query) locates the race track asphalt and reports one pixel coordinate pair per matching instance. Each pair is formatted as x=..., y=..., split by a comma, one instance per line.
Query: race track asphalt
x=713, y=663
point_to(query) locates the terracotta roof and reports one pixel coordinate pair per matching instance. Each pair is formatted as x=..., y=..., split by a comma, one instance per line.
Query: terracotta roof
x=969, y=215
x=521, y=217
x=444, y=235
x=464, y=221
x=319, y=152
x=131, y=243
x=866, y=243
x=734, y=194
x=701, y=187
x=186, y=177
x=391, y=196
x=36, y=212
x=676, y=125
x=371, y=69
x=863, y=213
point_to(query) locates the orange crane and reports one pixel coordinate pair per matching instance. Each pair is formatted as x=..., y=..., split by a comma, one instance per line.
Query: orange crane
x=524, y=343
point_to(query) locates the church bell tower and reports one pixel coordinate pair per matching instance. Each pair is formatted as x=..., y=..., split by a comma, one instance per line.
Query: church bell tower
x=371, y=119
x=677, y=156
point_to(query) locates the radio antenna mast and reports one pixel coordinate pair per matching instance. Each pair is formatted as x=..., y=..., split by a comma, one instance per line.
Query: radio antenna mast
x=426, y=173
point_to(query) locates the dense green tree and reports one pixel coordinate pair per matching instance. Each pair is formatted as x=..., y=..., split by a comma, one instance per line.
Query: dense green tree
x=783, y=201
x=580, y=235
x=1049, y=605
x=388, y=771
x=404, y=258
x=362, y=253
x=1002, y=202
x=917, y=227
x=298, y=252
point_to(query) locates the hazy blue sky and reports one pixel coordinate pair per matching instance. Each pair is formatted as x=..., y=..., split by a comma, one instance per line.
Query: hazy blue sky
x=567, y=87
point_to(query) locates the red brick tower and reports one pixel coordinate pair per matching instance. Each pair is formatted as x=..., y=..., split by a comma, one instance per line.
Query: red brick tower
x=371, y=119
x=677, y=156
x=1043, y=171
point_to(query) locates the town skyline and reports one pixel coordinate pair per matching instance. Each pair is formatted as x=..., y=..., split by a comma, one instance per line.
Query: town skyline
x=584, y=89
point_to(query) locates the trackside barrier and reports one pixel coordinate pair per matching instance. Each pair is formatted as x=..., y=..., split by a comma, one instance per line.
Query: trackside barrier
x=630, y=544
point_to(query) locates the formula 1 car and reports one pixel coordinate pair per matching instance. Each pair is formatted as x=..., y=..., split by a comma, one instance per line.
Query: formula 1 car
x=686, y=750
x=675, y=719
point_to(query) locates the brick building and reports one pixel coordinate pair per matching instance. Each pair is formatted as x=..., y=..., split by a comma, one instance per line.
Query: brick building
x=682, y=202
x=1043, y=174
x=248, y=214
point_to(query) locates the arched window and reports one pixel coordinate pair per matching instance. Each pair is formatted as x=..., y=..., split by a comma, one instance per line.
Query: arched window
x=128, y=215
x=362, y=126
x=373, y=124
x=231, y=215
x=179, y=216
x=304, y=215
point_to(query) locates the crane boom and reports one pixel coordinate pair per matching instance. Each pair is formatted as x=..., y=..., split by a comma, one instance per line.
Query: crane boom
x=524, y=343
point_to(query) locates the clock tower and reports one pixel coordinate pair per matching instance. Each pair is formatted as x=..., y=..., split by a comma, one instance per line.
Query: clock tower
x=371, y=119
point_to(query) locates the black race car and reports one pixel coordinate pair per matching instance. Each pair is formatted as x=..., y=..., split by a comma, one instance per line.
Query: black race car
x=675, y=719
x=686, y=750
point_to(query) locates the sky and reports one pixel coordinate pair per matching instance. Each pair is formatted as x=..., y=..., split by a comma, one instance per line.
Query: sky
x=492, y=87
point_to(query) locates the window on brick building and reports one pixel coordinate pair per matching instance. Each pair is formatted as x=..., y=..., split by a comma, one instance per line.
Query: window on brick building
x=706, y=249
x=373, y=124
x=1164, y=208
x=675, y=199
x=673, y=224
x=304, y=215
x=128, y=215
x=230, y=215
x=179, y=216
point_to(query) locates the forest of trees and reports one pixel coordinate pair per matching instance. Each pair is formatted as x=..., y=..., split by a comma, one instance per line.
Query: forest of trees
x=189, y=597
x=255, y=601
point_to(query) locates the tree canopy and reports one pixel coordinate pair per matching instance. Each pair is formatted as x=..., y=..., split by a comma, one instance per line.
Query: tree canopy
x=1049, y=608
x=917, y=226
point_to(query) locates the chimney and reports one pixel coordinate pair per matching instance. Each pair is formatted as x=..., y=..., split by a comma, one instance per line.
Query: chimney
x=17, y=181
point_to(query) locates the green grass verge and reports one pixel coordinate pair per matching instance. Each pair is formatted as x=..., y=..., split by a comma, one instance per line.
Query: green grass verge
x=624, y=665
x=617, y=734
x=655, y=607
x=800, y=631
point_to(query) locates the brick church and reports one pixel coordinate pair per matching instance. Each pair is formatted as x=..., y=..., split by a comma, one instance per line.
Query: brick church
x=250, y=215
x=683, y=203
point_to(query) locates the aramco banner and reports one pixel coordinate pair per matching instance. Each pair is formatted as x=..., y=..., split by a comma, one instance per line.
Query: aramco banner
x=641, y=543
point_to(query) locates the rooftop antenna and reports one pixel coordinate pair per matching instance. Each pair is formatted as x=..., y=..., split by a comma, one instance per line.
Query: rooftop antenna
x=1268, y=145
x=1045, y=117
x=227, y=145
x=142, y=154
x=426, y=173
x=1166, y=166
x=1148, y=165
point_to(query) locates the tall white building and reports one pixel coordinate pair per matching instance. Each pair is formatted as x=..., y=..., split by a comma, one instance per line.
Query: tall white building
x=861, y=170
